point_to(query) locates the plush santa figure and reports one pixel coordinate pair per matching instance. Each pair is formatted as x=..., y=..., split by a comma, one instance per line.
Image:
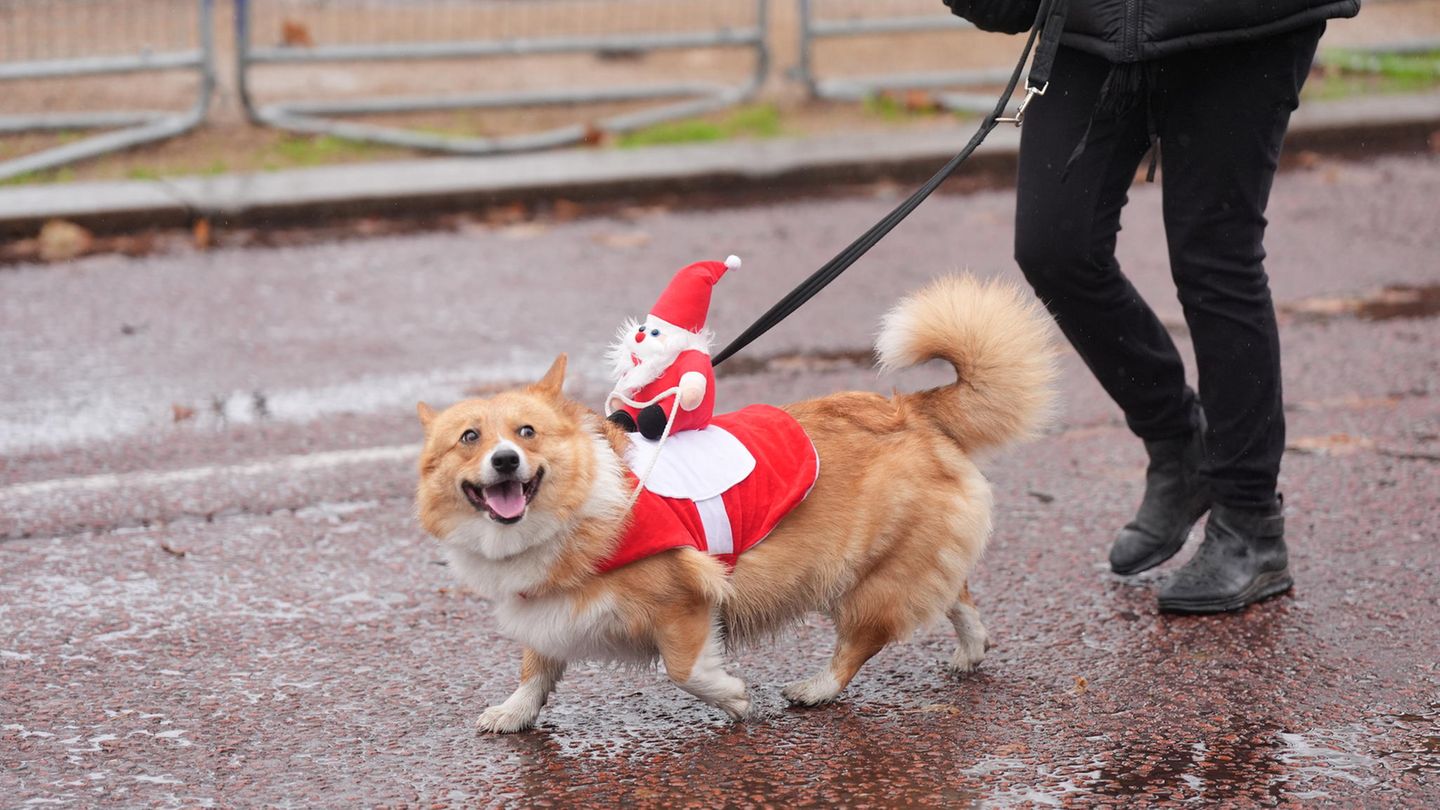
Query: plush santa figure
x=669, y=350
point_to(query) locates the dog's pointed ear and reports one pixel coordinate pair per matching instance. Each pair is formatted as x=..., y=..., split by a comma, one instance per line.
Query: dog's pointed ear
x=554, y=379
x=427, y=415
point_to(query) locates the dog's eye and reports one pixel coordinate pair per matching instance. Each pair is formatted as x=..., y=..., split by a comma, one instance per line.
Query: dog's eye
x=654, y=333
x=469, y=437
x=526, y=432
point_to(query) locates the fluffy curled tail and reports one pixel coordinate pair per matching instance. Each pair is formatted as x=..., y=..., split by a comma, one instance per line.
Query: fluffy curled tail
x=998, y=338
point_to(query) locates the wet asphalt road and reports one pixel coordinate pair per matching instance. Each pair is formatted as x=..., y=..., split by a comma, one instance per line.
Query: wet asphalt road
x=213, y=592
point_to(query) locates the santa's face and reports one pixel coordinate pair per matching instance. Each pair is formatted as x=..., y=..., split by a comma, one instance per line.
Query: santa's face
x=656, y=340
x=642, y=351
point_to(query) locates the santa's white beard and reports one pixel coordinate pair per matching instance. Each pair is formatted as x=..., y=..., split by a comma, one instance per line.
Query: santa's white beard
x=648, y=370
x=655, y=356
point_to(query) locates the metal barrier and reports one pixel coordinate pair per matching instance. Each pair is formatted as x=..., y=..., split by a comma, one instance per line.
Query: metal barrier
x=315, y=32
x=68, y=39
x=833, y=19
x=1358, y=47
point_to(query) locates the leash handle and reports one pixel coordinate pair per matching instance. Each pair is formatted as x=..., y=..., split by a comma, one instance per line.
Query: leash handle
x=1049, y=18
x=1052, y=25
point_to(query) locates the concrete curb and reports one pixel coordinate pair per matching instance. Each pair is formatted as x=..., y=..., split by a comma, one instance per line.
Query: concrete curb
x=1354, y=126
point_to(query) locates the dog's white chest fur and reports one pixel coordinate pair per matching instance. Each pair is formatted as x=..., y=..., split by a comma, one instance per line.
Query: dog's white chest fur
x=555, y=628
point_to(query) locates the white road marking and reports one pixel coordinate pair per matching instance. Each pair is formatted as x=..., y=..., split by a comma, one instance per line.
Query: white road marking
x=282, y=465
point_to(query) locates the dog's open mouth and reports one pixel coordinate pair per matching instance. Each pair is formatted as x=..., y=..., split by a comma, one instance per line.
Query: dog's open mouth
x=506, y=501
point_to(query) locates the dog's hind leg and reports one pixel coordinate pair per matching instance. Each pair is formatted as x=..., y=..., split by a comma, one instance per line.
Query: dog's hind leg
x=856, y=645
x=692, y=649
x=538, y=676
x=970, y=632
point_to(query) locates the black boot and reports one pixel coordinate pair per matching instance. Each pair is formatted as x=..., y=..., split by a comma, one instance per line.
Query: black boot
x=1175, y=497
x=1242, y=560
x=652, y=422
x=624, y=420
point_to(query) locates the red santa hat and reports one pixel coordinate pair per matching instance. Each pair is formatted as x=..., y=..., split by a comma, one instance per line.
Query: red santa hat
x=686, y=302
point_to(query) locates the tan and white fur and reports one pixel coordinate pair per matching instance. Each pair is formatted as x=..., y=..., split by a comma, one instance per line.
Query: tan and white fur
x=884, y=544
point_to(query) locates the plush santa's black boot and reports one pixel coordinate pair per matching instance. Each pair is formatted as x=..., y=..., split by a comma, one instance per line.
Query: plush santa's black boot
x=652, y=422
x=623, y=419
x=1175, y=497
x=1242, y=560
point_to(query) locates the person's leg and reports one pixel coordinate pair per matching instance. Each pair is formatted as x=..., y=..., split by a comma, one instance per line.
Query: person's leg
x=1222, y=114
x=1066, y=225
x=1222, y=117
x=1065, y=231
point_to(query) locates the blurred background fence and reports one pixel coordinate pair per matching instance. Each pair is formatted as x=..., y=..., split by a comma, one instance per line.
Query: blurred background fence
x=693, y=55
x=829, y=23
x=482, y=76
x=51, y=43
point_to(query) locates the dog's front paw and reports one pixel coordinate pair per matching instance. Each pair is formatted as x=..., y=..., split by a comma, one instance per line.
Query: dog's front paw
x=736, y=708
x=969, y=654
x=505, y=719
x=817, y=689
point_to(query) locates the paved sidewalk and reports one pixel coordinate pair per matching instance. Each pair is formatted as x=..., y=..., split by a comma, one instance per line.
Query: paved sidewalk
x=213, y=591
x=1366, y=124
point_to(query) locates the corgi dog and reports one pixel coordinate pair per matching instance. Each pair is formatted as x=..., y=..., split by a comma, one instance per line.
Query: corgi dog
x=527, y=493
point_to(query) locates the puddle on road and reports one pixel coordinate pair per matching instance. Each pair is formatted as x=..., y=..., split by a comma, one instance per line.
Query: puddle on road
x=1271, y=765
x=1388, y=303
x=1233, y=765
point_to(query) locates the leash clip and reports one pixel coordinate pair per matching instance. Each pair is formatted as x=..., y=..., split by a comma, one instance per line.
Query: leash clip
x=1030, y=92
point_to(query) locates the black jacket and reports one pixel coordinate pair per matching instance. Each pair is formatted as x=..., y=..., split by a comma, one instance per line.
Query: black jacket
x=1134, y=30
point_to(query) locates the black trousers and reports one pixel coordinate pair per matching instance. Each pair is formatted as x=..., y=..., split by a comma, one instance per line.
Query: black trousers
x=1219, y=115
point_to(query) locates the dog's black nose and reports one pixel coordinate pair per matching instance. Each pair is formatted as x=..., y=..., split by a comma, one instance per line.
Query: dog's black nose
x=505, y=461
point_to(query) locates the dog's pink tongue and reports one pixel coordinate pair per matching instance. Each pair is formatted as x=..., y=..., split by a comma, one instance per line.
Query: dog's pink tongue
x=506, y=499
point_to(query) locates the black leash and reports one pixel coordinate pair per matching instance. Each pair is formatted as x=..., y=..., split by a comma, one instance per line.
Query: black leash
x=1049, y=23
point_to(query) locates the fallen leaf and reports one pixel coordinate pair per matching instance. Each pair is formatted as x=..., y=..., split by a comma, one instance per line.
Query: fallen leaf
x=594, y=136
x=181, y=412
x=61, y=240
x=1322, y=306
x=624, y=240
x=920, y=101
x=1401, y=301
x=171, y=550
x=296, y=34
x=371, y=226
x=201, y=232
x=140, y=244
x=1349, y=402
x=507, y=214
x=1333, y=444
x=565, y=210
x=1081, y=684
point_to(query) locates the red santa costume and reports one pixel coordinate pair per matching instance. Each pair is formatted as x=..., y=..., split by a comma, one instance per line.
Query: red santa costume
x=665, y=361
x=720, y=490
x=717, y=486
